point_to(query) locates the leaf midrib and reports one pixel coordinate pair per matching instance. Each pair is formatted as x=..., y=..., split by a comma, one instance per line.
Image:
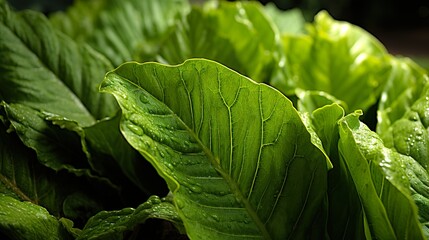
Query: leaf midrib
x=47, y=67
x=215, y=162
x=15, y=189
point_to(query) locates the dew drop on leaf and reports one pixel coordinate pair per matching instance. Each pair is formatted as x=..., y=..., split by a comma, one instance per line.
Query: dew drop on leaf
x=135, y=129
x=180, y=203
x=143, y=98
x=215, y=217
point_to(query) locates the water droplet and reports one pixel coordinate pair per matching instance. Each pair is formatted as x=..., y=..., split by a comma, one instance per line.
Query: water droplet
x=180, y=203
x=246, y=221
x=155, y=200
x=215, y=217
x=162, y=154
x=196, y=188
x=135, y=129
x=143, y=98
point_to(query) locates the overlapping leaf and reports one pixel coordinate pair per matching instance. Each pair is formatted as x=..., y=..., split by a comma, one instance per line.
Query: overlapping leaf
x=381, y=182
x=46, y=70
x=232, y=151
x=122, y=31
x=25, y=220
x=115, y=224
x=238, y=35
x=406, y=84
x=335, y=57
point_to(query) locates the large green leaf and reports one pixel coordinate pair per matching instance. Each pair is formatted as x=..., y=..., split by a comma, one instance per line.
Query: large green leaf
x=381, y=182
x=25, y=220
x=114, y=224
x=122, y=30
x=335, y=57
x=238, y=35
x=46, y=70
x=235, y=154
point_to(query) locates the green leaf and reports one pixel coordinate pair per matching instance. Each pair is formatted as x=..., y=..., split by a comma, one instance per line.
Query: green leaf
x=408, y=135
x=288, y=22
x=381, y=182
x=309, y=101
x=114, y=224
x=122, y=31
x=25, y=220
x=48, y=141
x=46, y=70
x=238, y=35
x=345, y=214
x=235, y=154
x=335, y=57
x=23, y=178
x=407, y=82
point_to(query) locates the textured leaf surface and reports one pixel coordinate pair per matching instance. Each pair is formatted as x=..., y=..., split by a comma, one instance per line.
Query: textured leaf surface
x=122, y=31
x=114, y=224
x=46, y=70
x=335, y=57
x=62, y=194
x=238, y=35
x=381, y=182
x=235, y=154
x=406, y=84
x=25, y=220
x=48, y=141
x=408, y=135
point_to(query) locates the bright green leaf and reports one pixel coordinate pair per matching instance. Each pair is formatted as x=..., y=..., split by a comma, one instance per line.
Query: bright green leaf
x=406, y=84
x=288, y=22
x=381, y=182
x=235, y=154
x=335, y=57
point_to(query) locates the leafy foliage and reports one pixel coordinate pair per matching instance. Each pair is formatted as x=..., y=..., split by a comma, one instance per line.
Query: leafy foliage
x=257, y=136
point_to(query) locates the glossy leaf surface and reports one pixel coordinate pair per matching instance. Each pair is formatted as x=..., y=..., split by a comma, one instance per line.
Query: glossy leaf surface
x=232, y=151
x=381, y=182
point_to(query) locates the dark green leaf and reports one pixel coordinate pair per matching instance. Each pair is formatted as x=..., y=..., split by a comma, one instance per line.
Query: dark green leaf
x=25, y=220
x=46, y=70
x=122, y=31
x=114, y=224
